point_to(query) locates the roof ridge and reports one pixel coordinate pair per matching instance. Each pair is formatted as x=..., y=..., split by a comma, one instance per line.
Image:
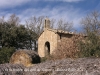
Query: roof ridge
x=60, y=31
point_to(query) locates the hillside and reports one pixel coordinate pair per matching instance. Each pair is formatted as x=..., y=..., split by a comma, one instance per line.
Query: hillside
x=80, y=66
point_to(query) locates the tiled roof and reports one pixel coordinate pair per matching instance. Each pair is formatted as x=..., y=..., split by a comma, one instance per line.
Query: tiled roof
x=60, y=31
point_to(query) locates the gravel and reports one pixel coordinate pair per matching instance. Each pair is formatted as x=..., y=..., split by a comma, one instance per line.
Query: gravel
x=79, y=66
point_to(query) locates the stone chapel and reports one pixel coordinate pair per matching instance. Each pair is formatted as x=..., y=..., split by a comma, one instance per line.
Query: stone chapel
x=50, y=39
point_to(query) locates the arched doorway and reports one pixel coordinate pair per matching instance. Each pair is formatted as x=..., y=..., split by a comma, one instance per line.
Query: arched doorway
x=47, y=48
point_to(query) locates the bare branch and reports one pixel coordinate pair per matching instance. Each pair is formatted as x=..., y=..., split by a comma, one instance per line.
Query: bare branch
x=91, y=22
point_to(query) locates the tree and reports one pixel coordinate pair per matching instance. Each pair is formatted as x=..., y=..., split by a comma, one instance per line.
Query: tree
x=13, y=34
x=14, y=20
x=36, y=24
x=91, y=23
x=25, y=37
x=91, y=26
x=16, y=36
x=5, y=54
x=64, y=25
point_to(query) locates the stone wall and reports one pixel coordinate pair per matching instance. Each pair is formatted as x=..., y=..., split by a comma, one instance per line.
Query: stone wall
x=64, y=38
x=47, y=36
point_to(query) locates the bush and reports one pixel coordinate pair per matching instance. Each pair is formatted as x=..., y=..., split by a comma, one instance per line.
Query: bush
x=91, y=47
x=66, y=50
x=5, y=54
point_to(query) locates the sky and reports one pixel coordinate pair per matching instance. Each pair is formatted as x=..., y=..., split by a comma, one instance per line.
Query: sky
x=69, y=10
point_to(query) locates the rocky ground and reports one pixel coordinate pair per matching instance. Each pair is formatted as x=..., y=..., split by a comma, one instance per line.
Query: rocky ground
x=80, y=66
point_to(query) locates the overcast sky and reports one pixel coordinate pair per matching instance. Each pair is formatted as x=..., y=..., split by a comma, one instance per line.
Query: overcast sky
x=70, y=10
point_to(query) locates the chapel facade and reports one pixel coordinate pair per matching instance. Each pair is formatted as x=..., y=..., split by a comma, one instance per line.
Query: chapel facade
x=50, y=39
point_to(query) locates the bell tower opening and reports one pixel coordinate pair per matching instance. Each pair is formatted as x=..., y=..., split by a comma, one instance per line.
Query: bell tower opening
x=47, y=23
x=47, y=48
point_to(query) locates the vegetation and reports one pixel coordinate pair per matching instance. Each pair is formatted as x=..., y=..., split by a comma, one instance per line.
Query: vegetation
x=91, y=47
x=87, y=45
x=5, y=54
x=66, y=50
x=91, y=25
x=18, y=36
x=14, y=35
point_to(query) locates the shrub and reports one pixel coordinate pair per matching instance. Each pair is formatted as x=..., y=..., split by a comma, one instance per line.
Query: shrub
x=66, y=50
x=91, y=47
x=5, y=54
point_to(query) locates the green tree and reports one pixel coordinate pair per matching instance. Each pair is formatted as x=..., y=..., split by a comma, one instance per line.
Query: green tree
x=5, y=54
x=91, y=25
x=13, y=34
x=25, y=37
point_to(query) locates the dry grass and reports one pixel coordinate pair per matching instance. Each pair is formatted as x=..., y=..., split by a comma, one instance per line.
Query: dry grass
x=68, y=48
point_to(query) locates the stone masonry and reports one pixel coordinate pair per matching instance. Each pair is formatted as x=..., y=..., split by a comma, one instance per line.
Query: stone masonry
x=49, y=39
